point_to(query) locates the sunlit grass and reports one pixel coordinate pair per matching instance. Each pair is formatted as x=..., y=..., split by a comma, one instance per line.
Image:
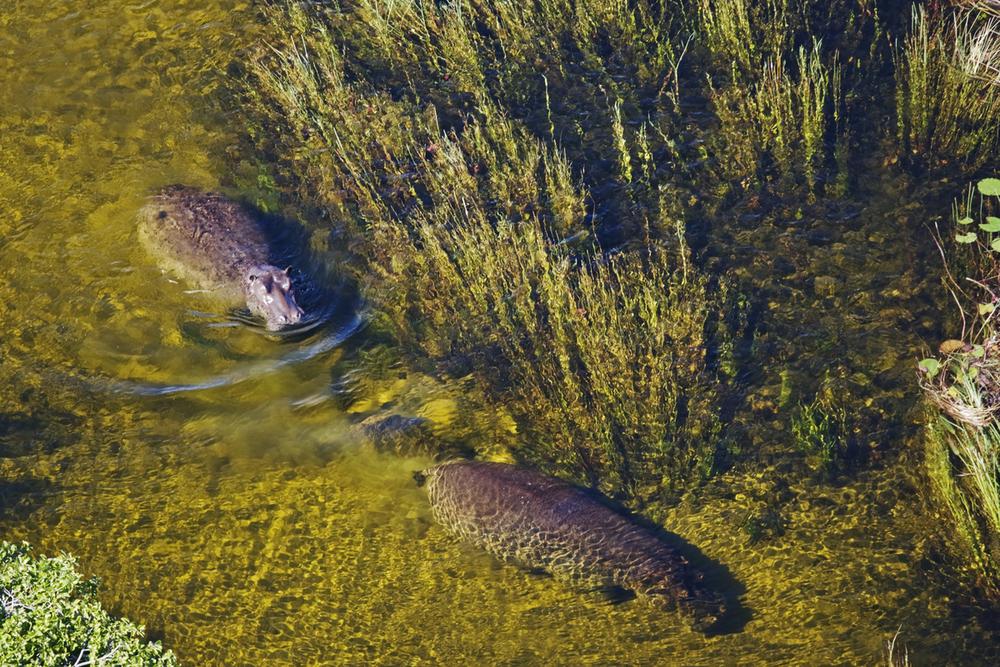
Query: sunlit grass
x=947, y=92
x=782, y=119
x=463, y=238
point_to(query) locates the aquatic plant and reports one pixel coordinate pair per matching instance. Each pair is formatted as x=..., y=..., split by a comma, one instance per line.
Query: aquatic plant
x=782, y=119
x=963, y=386
x=50, y=615
x=745, y=34
x=895, y=655
x=474, y=248
x=820, y=429
x=948, y=90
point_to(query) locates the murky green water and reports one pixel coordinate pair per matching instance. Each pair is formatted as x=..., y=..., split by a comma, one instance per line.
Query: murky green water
x=247, y=524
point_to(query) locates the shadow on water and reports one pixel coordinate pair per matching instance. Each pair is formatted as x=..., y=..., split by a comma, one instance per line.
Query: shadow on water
x=716, y=578
x=24, y=434
x=19, y=500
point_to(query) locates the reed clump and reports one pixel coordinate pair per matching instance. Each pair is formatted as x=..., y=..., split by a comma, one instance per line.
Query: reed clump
x=474, y=247
x=745, y=34
x=948, y=90
x=783, y=119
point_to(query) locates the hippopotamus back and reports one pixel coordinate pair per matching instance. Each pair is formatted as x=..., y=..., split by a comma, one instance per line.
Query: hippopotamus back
x=520, y=515
x=216, y=244
x=205, y=238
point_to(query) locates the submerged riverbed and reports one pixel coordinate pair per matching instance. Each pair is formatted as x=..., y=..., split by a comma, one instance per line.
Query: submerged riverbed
x=212, y=478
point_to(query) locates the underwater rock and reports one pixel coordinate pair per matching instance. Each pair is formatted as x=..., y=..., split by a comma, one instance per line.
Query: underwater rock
x=397, y=434
x=217, y=245
x=521, y=515
x=951, y=346
x=410, y=436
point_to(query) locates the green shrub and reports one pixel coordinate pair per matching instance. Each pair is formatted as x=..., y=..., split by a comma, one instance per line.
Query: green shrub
x=948, y=91
x=50, y=615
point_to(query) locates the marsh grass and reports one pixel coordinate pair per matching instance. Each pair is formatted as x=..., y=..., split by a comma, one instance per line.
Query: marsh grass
x=783, y=119
x=961, y=462
x=745, y=34
x=963, y=453
x=948, y=90
x=473, y=241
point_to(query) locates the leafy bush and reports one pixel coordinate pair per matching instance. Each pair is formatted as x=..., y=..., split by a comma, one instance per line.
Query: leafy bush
x=50, y=615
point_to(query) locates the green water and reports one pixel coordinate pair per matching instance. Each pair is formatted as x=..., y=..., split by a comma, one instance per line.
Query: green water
x=246, y=523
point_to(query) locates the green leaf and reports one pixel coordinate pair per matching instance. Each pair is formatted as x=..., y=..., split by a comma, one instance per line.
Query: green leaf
x=930, y=366
x=966, y=238
x=986, y=308
x=995, y=245
x=989, y=187
x=965, y=221
x=978, y=351
x=991, y=225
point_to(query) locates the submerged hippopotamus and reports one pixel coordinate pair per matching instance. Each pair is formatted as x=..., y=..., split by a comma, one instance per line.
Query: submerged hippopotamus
x=216, y=244
x=520, y=515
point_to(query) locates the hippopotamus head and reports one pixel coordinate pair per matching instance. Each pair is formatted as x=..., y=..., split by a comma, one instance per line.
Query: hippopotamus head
x=269, y=294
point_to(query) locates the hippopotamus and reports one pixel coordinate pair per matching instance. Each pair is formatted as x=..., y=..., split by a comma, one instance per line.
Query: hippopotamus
x=217, y=245
x=520, y=515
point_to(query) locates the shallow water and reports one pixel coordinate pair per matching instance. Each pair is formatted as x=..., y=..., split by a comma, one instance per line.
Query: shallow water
x=212, y=478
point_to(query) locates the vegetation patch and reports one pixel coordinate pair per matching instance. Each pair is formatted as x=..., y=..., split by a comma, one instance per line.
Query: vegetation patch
x=478, y=251
x=50, y=615
x=963, y=385
x=781, y=119
x=948, y=90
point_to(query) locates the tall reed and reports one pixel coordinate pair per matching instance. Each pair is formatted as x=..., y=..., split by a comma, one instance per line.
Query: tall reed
x=948, y=90
x=782, y=120
x=461, y=227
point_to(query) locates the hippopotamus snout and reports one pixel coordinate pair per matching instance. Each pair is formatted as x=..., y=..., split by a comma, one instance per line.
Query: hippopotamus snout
x=270, y=295
x=292, y=314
